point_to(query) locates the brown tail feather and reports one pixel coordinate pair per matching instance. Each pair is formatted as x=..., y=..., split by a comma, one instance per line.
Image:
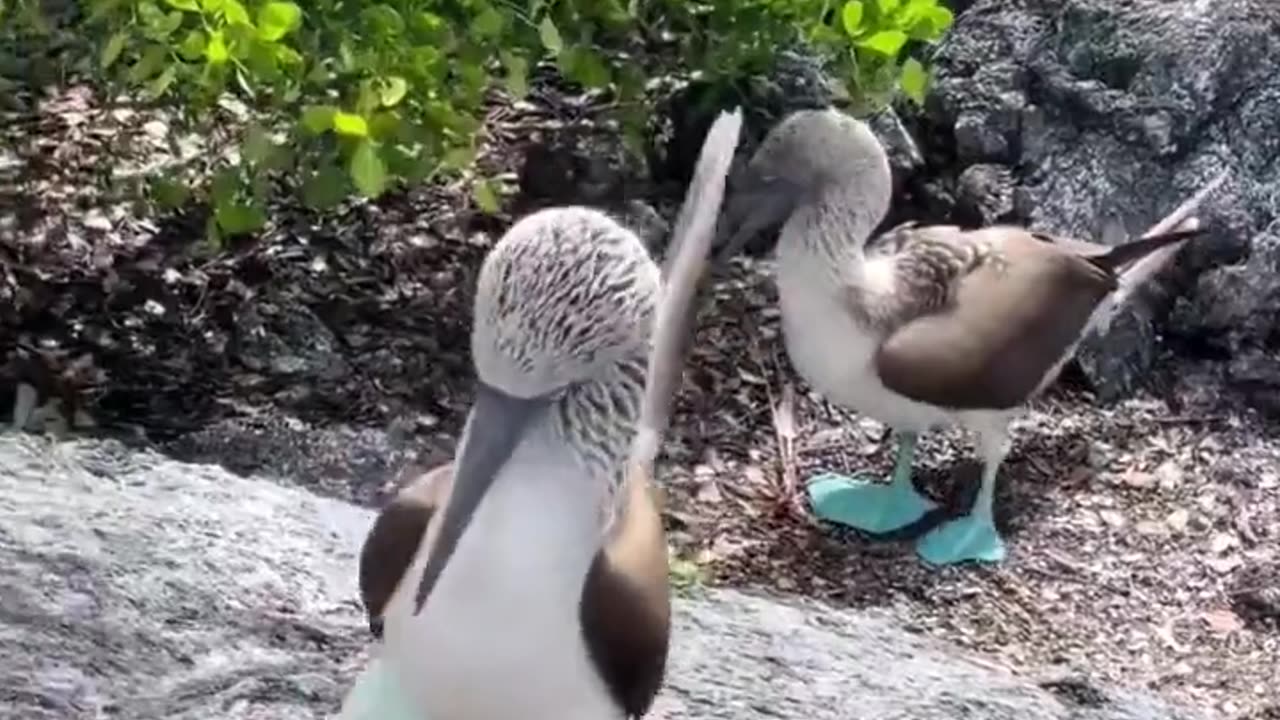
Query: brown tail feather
x=1121, y=255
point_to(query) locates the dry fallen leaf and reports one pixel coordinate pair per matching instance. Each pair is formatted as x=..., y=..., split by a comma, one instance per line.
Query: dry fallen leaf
x=1178, y=519
x=1222, y=542
x=1169, y=475
x=1226, y=564
x=1139, y=479
x=1113, y=518
x=1223, y=621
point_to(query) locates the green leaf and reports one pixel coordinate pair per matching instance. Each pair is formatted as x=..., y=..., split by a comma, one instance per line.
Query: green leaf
x=215, y=51
x=488, y=24
x=287, y=56
x=211, y=234
x=258, y=147
x=585, y=67
x=236, y=217
x=277, y=19
x=345, y=123
x=485, y=198
x=383, y=19
x=155, y=23
x=851, y=16
x=316, y=119
x=517, y=73
x=161, y=83
x=188, y=5
x=192, y=46
x=392, y=90
x=149, y=64
x=458, y=158
x=99, y=10
x=368, y=99
x=224, y=186
x=169, y=194
x=941, y=19
x=235, y=14
x=385, y=124
x=913, y=11
x=887, y=7
x=915, y=80
x=324, y=188
x=550, y=36
x=885, y=42
x=368, y=171
x=111, y=51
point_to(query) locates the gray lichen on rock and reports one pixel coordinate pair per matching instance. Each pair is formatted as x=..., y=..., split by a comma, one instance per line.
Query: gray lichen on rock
x=141, y=588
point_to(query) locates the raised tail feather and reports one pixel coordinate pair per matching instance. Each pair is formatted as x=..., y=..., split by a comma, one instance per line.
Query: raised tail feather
x=1121, y=255
x=686, y=260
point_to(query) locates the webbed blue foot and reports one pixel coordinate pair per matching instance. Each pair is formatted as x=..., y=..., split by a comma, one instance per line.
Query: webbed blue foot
x=970, y=538
x=861, y=502
x=378, y=695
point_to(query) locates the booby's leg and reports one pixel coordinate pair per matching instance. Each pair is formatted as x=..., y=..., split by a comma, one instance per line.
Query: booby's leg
x=974, y=536
x=378, y=695
x=863, y=503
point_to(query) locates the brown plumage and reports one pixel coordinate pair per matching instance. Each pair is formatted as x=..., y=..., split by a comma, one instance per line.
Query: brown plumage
x=945, y=344
x=393, y=538
x=626, y=602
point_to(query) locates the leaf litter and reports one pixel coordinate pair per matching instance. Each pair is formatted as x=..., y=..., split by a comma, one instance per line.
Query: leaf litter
x=1144, y=548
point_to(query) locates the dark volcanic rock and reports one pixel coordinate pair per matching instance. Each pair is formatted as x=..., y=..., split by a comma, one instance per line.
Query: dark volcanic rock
x=141, y=588
x=1069, y=116
x=1125, y=109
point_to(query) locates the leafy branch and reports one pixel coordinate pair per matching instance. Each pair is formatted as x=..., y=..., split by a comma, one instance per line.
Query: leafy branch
x=350, y=98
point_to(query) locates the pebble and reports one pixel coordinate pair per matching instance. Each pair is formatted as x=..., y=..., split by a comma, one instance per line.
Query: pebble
x=1178, y=519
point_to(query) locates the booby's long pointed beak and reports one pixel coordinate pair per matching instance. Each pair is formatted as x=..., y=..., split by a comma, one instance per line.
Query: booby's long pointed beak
x=759, y=204
x=498, y=421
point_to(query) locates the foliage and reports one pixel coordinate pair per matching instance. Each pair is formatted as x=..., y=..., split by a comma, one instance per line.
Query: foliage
x=347, y=97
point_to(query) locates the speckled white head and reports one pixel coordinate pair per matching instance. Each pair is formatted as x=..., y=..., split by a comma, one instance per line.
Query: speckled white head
x=563, y=296
x=564, y=311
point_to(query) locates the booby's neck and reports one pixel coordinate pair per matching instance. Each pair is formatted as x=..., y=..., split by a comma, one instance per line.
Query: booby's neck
x=823, y=243
x=595, y=422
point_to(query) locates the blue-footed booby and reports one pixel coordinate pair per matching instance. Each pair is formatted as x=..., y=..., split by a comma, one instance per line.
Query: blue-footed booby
x=528, y=577
x=922, y=326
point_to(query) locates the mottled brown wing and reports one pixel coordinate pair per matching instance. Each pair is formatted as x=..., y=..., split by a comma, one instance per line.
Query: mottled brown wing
x=393, y=539
x=928, y=263
x=625, y=609
x=1010, y=320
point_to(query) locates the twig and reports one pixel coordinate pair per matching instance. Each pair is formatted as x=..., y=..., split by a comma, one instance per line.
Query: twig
x=784, y=432
x=1190, y=419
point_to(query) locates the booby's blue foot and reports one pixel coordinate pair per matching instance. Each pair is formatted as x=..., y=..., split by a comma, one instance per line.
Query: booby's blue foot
x=378, y=695
x=862, y=503
x=874, y=507
x=972, y=537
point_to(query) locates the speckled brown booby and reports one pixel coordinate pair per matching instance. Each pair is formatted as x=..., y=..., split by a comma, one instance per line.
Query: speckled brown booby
x=924, y=325
x=528, y=578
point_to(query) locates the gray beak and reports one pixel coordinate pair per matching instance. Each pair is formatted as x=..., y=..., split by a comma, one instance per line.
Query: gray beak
x=498, y=421
x=757, y=205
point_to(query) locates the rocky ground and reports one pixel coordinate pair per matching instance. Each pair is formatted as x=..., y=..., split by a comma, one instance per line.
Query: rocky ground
x=194, y=593
x=1143, y=534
